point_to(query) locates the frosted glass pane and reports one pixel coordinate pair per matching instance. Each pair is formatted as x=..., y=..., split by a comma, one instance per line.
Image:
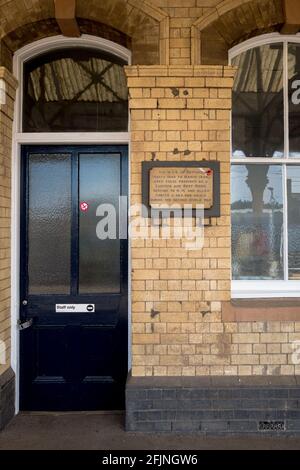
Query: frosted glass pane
x=49, y=224
x=257, y=103
x=257, y=222
x=293, y=197
x=99, y=260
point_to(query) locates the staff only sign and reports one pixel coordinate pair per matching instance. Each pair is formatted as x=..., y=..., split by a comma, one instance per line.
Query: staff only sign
x=73, y=308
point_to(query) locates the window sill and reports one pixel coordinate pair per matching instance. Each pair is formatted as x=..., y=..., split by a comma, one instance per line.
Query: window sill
x=261, y=309
x=263, y=289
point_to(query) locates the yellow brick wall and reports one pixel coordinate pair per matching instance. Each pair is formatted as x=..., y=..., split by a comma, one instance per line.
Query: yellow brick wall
x=182, y=285
x=7, y=96
x=183, y=14
x=186, y=288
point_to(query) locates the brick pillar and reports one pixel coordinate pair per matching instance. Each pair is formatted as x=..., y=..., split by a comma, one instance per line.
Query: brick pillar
x=8, y=86
x=181, y=341
x=181, y=113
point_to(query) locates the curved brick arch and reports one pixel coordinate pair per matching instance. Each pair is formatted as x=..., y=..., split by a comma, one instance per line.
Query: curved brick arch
x=136, y=24
x=231, y=22
x=147, y=25
x=46, y=28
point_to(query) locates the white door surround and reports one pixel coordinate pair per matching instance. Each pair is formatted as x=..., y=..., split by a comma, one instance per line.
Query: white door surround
x=19, y=138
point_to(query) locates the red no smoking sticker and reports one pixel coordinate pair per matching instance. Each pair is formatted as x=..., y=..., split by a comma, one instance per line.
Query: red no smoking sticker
x=84, y=206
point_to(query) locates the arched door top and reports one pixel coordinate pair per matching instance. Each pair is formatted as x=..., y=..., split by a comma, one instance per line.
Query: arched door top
x=94, y=78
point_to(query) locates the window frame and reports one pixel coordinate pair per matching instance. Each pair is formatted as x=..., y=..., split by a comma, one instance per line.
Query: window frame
x=270, y=288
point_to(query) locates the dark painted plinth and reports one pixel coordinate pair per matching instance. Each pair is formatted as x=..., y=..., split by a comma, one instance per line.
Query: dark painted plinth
x=7, y=397
x=265, y=406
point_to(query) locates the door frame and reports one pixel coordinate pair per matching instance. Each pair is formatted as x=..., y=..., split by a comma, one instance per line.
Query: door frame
x=62, y=138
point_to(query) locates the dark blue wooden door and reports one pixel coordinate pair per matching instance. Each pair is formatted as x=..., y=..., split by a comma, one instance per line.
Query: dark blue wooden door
x=74, y=284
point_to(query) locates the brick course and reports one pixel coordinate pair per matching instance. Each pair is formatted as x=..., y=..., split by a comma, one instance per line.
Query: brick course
x=214, y=405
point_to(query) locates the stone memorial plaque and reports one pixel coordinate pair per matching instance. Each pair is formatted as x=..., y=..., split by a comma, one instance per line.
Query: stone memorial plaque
x=180, y=185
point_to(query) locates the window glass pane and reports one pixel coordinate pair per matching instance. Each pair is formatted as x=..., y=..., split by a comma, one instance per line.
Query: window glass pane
x=294, y=99
x=293, y=198
x=75, y=90
x=49, y=224
x=99, y=259
x=257, y=221
x=257, y=107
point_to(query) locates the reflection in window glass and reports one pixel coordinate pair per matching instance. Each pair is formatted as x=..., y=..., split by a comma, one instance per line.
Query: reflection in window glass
x=75, y=90
x=257, y=221
x=294, y=99
x=257, y=108
x=293, y=197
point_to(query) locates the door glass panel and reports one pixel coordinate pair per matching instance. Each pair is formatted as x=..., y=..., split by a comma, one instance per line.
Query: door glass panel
x=99, y=259
x=257, y=222
x=49, y=224
x=257, y=103
x=294, y=99
x=293, y=199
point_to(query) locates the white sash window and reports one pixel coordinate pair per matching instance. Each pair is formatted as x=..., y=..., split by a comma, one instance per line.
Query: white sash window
x=265, y=175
